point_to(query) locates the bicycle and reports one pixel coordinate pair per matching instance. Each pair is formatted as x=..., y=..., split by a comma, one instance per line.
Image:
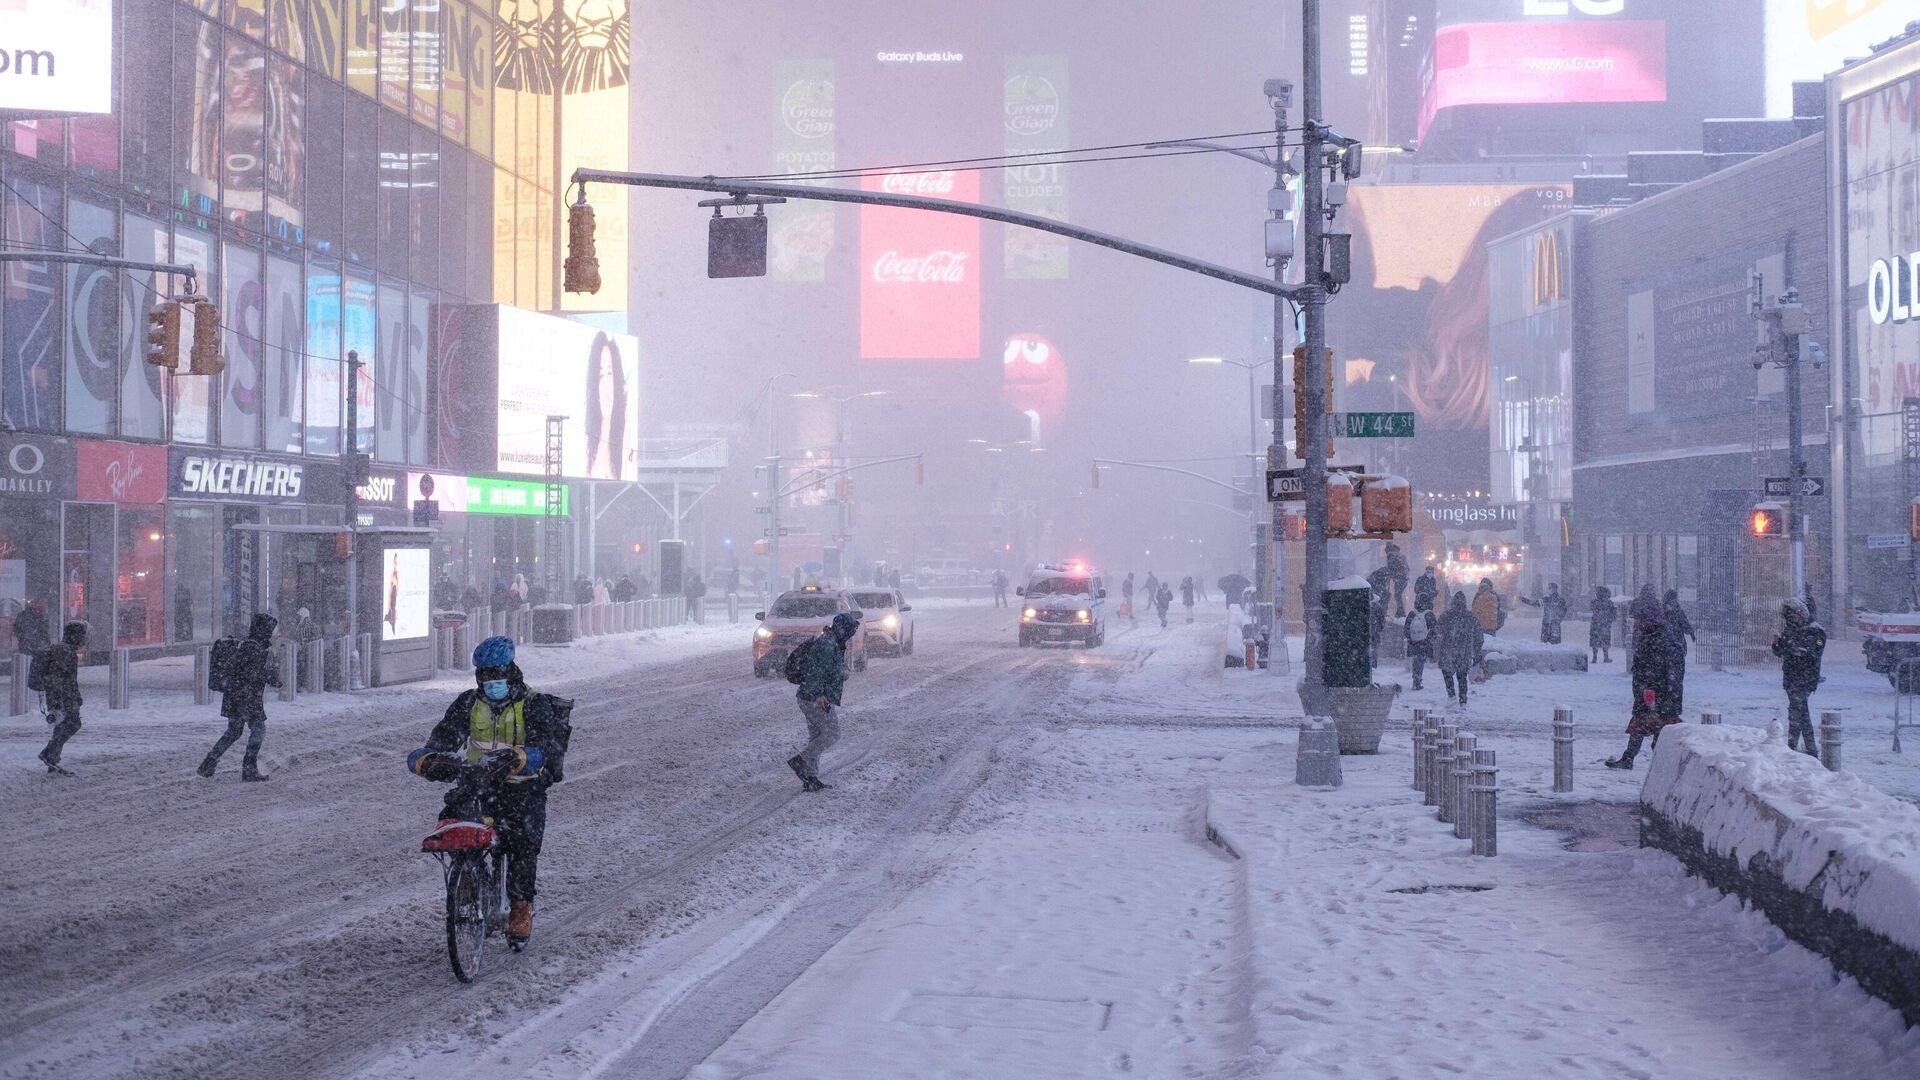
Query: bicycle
x=473, y=860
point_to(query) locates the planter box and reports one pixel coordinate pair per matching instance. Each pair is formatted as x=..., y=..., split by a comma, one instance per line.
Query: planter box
x=1360, y=715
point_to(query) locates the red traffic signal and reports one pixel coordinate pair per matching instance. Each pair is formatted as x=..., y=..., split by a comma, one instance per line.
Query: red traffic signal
x=1768, y=519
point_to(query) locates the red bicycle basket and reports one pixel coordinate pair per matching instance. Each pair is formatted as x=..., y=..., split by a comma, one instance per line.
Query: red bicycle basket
x=459, y=836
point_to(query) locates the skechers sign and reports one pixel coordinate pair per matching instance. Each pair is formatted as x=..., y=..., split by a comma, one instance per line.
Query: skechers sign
x=1893, y=289
x=259, y=479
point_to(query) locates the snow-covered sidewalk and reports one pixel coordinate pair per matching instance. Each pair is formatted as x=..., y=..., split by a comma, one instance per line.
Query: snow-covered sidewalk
x=1143, y=891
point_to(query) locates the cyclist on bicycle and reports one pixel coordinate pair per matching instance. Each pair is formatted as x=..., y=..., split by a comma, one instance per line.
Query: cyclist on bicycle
x=520, y=738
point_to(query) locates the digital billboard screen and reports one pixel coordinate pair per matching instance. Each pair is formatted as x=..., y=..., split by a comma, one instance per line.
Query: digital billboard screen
x=405, y=610
x=551, y=366
x=920, y=272
x=1545, y=63
x=58, y=56
x=1882, y=218
x=1410, y=332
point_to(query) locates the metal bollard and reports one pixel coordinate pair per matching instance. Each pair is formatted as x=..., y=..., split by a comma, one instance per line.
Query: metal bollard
x=118, y=663
x=17, y=698
x=1709, y=718
x=1443, y=765
x=1430, y=795
x=1425, y=750
x=463, y=649
x=202, y=666
x=1830, y=741
x=1486, y=828
x=1563, y=750
x=289, y=669
x=316, y=680
x=1419, y=760
x=1463, y=746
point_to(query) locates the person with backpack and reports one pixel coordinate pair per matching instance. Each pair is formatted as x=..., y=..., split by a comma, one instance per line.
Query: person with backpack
x=818, y=667
x=1419, y=629
x=521, y=735
x=242, y=671
x=58, y=671
x=1457, y=641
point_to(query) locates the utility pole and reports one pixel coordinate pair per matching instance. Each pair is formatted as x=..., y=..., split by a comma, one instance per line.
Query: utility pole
x=1266, y=564
x=1312, y=403
x=351, y=499
x=1783, y=323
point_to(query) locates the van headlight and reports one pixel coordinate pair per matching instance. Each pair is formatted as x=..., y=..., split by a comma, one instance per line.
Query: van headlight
x=763, y=633
x=1083, y=615
x=1029, y=615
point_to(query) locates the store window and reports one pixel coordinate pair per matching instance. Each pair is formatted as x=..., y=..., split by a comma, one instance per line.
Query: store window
x=192, y=395
x=360, y=179
x=190, y=569
x=41, y=140
x=93, y=311
x=197, y=63
x=96, y=146
x=142, y=415
x=243, y=120
x=86, y=567
x=29, y=560
x=286, y=149
x=324, y=399
x=390, y=376
x=140, y=579
x=285, y=362
x=242, y=385
x=146, y=87
x=358, y=336
x=30, y=349
x=390, y=196
x=423, y=208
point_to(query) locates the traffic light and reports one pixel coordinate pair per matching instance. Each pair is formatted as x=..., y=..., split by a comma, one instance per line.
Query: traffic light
x=1300, y=439
x=163, y=334
x=1768, y=519
x=205, y=358
x=582, y=268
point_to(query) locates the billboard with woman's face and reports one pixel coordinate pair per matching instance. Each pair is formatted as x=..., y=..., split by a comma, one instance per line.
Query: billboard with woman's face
x=557, y=367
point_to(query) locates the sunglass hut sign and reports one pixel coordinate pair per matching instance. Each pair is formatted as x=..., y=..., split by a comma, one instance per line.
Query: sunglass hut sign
x=243, y=478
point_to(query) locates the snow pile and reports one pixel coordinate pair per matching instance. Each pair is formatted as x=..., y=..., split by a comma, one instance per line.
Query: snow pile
x=1506, y=656
x=1831, y=834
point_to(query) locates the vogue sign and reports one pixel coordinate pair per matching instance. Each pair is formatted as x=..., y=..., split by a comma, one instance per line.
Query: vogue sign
x=920, y=294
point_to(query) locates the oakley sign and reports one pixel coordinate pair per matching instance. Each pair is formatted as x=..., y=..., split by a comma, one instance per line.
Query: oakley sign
x=1893, y=289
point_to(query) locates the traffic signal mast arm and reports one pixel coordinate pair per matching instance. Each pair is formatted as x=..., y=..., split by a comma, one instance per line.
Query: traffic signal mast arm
x=799, y=482
x=88, y=258
x=1097, y=462
x=722, y=185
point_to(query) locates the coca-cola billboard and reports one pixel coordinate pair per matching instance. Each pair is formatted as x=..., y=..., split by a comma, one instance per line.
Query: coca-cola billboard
x=920, y=292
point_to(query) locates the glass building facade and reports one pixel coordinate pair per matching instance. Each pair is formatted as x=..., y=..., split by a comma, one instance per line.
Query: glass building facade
x=343, y=175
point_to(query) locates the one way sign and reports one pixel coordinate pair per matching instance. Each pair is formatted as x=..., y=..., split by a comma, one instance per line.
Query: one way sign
x=1780, y=487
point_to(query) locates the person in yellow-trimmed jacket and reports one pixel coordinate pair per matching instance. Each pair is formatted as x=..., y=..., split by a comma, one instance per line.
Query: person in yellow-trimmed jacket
x=520, y=737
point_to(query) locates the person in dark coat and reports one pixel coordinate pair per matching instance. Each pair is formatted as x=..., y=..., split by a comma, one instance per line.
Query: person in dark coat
x=1420, y=628
x=521, y=735
x=1126, y=596
x=1186, y=596
x=1458, y=639
x=244, y=703
x=1553, y=611
x=471, y=600
x=1162, y=600
x=1656, y=691
x=692, y=591
x=1800, y=645
x=582, y=590
x=61, y=663
x=30, y=629
x=823, y=678
x=1426, y=590
x=1679, y=634
x=1397, y=570
x=1600, y=628
x=623, y=589
x=1379, y=589
x=1233, y=588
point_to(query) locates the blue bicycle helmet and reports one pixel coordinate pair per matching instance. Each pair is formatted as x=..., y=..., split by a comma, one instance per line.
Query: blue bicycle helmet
x=494, y=652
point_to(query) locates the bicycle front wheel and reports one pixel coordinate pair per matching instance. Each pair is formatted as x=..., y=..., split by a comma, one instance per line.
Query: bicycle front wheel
x=466, y=917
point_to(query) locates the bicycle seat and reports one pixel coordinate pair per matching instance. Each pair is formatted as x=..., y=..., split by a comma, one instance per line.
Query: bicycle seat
x=455, y=835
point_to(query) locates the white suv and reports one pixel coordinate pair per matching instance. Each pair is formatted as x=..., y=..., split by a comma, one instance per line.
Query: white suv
x=886, y=619
x=1064, y=603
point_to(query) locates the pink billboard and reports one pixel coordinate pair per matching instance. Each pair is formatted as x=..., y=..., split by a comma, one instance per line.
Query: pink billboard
x=920, y=272
x=1558, y=63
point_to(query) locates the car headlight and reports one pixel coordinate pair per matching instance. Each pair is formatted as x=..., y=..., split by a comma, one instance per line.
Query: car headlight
x=1083, y=615
x=1029, y=614
x=763, y=633
x=890, y=621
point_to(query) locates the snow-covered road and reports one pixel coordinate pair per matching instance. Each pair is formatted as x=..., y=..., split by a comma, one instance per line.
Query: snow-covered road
x=1012, y=876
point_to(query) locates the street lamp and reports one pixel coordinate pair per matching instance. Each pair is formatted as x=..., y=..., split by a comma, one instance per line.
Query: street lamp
x=1262, y=544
